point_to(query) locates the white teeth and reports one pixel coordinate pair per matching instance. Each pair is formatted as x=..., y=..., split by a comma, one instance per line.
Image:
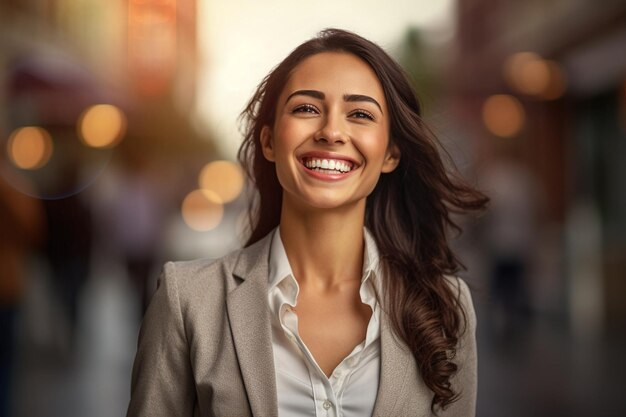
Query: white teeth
x=328, y=164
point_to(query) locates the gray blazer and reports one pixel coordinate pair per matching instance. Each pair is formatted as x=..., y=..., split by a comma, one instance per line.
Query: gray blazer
x=205, y=347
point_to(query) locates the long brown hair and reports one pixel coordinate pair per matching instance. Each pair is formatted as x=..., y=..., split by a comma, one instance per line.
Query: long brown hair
x=408, y=213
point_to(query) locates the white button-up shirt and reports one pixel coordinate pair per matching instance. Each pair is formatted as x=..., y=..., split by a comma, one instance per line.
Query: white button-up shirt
x=303, y=388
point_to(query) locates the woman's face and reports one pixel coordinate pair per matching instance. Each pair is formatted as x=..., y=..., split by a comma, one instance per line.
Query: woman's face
x=330, y=139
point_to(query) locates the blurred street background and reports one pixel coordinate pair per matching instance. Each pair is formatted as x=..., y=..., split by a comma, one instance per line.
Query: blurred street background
x=118, y=132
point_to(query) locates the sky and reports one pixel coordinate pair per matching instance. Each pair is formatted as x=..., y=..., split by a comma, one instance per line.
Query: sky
x=240, y=41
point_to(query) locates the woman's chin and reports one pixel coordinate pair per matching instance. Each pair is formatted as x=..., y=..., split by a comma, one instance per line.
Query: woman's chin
x=328, y=201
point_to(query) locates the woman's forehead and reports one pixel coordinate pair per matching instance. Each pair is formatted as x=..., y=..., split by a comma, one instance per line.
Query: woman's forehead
x=335, y=72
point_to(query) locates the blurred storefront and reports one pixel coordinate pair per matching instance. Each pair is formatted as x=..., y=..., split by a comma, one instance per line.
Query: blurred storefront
x=97, y=154
x=545, y=83
x=106, y=87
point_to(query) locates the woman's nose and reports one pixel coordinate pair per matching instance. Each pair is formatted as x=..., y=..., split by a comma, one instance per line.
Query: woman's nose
x=332, y=131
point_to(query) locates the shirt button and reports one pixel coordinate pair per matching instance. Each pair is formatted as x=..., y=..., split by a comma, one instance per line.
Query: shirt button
x=327, y=404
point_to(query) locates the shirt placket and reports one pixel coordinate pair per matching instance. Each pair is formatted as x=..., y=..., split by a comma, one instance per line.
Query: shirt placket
x=323, y=393
x=325, y=399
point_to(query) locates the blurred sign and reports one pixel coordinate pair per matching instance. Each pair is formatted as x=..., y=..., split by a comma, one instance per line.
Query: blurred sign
x=152, y=45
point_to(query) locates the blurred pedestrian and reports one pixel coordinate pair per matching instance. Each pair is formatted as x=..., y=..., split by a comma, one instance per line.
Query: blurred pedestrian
x=68, y=248
x=135, y=215
x=21, y=232
x=510, y=236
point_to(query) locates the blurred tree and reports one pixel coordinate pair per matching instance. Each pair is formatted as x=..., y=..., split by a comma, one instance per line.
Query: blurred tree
x=419, y=61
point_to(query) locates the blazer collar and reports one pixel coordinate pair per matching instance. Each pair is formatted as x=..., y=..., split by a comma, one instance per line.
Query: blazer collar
x=250, y=323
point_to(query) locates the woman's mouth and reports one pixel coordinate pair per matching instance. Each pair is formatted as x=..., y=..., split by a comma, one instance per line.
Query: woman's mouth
x=328, y=165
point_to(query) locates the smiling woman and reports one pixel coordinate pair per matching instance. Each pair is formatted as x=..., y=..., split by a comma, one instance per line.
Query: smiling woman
x=329, y=113
x=343, y=302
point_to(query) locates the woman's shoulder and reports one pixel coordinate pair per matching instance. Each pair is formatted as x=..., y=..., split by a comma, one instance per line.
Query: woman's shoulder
x=217, y=274
x=199, y=274
x=194, y=288
x=463, y=296
x=458, y=284
x=189, y=269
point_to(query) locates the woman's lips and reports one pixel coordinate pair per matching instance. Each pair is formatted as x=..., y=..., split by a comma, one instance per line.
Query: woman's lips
x=328, y=167
x=328, y=164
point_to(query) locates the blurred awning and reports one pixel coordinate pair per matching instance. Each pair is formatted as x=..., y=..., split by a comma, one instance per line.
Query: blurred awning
x=52, y=88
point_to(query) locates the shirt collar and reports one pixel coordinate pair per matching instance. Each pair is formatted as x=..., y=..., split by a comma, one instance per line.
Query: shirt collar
x=279, y=268
x=283, y=288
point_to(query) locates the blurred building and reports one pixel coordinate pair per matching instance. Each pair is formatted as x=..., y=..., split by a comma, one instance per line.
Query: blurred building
x=141, y=50
x=547, y=80
x=138, y=58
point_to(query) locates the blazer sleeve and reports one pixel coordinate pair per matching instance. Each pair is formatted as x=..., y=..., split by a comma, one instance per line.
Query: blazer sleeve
x=465, y=381
x=162, y=382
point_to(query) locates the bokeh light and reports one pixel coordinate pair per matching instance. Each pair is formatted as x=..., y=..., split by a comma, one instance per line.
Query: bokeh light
x=29, y=147
x=503, y=115
x=224, y=178
x=557, y=83
x=102, y=126
x=202, y=210
x=528, y=73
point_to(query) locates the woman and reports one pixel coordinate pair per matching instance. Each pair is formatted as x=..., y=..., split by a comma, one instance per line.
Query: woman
x=341, y=302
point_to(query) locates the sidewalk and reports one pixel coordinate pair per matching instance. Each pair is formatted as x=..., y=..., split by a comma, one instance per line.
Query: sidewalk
x=93, y=378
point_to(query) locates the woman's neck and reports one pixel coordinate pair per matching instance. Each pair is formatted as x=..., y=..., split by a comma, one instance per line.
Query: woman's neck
x=324, y=247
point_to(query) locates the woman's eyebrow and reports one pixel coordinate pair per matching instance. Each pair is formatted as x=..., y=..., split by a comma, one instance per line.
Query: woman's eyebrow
x=311, y=93
x=361, y=97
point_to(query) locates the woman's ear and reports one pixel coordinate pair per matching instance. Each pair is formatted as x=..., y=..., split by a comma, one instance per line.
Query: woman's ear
x=392, y=159
x=267, y=145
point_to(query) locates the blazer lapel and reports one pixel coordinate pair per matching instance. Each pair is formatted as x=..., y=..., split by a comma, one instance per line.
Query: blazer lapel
x=401, y=389
x=251, y=328
x=394, y=366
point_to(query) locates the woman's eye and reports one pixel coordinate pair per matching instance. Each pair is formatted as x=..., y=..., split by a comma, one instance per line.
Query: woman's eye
x=362, y=114
x=306, y=108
